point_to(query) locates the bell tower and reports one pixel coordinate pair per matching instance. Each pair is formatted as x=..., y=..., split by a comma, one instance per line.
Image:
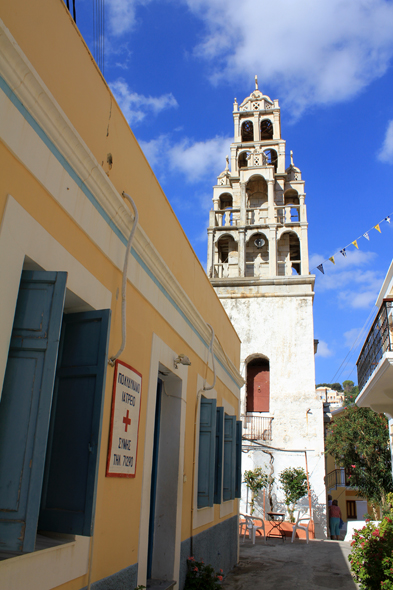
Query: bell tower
x=258, y=265
x=258, y=225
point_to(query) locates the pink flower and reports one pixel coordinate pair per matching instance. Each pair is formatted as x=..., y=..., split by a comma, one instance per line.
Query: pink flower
x=195, y=569
x=191, y=558
x=222, y=571
x=353, y=543
x=219, y=578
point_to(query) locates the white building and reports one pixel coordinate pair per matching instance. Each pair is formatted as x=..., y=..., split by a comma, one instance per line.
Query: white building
x=330, y=396
x=258, y=265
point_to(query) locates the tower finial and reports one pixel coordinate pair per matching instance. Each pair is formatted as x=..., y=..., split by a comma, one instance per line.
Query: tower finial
x=291, y=152
x=227, y=161
x=256, y=82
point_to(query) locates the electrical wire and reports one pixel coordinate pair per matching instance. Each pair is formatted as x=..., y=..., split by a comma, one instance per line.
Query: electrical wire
x=360, y=336
x=112, y=360
x=205, y=387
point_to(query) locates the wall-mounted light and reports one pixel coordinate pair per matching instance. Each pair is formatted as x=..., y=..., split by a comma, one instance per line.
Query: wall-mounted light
x=182, y=359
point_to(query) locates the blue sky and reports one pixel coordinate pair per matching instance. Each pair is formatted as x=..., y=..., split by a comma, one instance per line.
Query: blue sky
x=175, y=67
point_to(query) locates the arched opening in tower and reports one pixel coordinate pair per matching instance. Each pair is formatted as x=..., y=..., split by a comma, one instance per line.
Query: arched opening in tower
x=266, y=130
x=272, y=158
x=226, y=201
x=227, y=264
x=257, y=256
x=247, y=131
x=243, y=159
x=257, y=201
x=292, y=214
x=288, y=254
x=258, y=385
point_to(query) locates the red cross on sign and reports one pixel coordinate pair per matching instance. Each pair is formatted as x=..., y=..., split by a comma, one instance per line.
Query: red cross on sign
x=127, y=420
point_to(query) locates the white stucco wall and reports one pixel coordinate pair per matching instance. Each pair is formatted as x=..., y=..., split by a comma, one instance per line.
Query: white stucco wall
x=281, y=328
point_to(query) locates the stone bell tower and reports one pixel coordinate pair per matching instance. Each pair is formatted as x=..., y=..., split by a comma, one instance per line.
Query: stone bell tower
x=258, y=265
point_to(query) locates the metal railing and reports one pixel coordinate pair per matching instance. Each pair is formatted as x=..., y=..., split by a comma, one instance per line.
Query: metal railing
x=338, y=478
x=378, y=341
x=257, y=427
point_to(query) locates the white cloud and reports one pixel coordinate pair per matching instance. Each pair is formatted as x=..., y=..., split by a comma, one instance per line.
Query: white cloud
x=121, y=14
x=155, y=149
x=136, y=106
x=324, y=350
x=386, y=152
x=196, y=160
x=200, y=158
x=316, y=52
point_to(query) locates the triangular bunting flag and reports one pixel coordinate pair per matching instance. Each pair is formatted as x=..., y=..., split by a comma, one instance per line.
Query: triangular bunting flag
x=355, y=243
x=377, y=227
x=343, y=252
x=387, y=219
x=365, y=235
x=320, y=268
x=332, y=259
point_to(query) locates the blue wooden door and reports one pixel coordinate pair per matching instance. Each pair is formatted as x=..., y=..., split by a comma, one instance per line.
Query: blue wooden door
x=26, y=405
x=68, y=495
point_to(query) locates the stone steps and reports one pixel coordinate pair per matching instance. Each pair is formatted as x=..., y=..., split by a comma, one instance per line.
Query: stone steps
x=160, y=584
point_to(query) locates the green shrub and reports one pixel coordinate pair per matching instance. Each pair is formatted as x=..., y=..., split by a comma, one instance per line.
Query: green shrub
x=371, y=557
x=294, y=483
x=201, y=576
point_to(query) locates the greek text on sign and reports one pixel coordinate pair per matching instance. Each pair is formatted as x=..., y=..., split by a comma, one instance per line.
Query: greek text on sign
x=123, y=439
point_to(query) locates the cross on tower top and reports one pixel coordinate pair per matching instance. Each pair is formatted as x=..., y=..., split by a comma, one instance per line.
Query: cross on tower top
x=256, y=82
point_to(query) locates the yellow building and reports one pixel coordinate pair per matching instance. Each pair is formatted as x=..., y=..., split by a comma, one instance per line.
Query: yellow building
x=109, y=474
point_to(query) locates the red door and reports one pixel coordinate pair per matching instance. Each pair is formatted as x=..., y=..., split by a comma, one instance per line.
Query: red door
x=258, y=388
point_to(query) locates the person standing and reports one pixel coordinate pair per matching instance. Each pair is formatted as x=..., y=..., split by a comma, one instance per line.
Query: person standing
x=334, y=520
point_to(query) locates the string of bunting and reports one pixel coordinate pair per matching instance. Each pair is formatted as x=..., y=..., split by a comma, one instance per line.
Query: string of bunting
x=343, y=251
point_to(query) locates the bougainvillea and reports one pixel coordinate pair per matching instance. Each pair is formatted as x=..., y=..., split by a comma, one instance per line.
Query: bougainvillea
x=371, y=557
x=359, y=440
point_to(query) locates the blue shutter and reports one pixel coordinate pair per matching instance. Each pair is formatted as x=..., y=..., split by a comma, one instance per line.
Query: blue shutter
x=238, y=476
x=207, y=440
x=229, y=457
x=219, y=453
x=68, y=496
x=26, y=405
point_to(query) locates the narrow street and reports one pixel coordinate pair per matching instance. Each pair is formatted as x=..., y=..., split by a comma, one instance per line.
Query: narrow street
x=283, y=565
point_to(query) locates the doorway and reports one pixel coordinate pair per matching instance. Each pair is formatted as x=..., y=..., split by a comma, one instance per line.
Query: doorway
x=164, y=480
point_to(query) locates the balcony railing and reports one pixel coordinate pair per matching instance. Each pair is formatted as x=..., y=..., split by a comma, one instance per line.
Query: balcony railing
x=227, y=217
x=378, y=342
x=257, y=427
x=338, y=478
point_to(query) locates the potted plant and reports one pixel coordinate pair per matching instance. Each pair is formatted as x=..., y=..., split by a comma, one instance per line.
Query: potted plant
x=256, y=480
x=294, y=484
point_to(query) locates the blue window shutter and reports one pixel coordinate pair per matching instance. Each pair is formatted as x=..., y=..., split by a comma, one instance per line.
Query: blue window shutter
x=229, y=457
x=219, y=453
x=26, y=405
x=68, y=496
x=207, y=440
x=238, y=487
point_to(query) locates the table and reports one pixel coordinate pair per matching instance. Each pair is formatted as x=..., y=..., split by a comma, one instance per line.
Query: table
x=276, y=518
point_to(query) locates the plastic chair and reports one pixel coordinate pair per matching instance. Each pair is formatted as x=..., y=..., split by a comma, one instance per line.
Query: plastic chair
x=250, y=525
x=299, y=526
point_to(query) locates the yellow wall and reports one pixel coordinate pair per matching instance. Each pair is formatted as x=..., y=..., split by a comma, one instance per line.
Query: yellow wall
x=52, y=43
x=63, y=61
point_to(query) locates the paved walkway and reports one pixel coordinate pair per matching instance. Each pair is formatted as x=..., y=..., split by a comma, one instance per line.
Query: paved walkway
x=279, y=565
